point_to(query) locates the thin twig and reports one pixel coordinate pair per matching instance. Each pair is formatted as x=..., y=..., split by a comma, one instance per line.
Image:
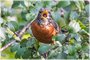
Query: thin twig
x=24, y=30
x=7, y=45
x=18, y=35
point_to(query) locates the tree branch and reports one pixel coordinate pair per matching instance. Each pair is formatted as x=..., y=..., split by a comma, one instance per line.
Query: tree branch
x=3, y=48
x=18, y=35
x=24, y=30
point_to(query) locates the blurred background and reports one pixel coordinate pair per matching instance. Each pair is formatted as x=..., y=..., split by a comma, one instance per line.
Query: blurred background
x=71, y=16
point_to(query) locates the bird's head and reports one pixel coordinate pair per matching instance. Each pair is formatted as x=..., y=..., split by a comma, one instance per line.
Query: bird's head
x=44, y=14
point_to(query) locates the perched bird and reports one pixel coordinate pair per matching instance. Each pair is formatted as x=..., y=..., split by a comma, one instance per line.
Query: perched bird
x=44, y=27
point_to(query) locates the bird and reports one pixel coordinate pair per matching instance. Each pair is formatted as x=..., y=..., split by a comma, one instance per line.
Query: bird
x=44, y=27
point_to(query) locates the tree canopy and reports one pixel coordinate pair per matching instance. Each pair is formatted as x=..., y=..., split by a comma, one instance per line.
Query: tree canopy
x=72, y=16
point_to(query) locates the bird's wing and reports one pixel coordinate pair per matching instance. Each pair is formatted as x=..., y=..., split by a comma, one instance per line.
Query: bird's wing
x=57, y=28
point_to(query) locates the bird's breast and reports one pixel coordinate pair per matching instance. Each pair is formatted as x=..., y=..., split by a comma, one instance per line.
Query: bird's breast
x=43, y=33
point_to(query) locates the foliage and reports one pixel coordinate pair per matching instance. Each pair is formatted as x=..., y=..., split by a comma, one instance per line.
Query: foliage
x=72, y=16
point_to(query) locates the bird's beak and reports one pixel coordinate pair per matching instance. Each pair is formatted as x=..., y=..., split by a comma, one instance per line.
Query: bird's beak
x=45, y=13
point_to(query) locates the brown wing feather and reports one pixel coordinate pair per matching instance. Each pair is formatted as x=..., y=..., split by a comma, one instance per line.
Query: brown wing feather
x=57, y=28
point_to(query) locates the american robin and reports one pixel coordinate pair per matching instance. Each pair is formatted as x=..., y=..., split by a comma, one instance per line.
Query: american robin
x=44, y=27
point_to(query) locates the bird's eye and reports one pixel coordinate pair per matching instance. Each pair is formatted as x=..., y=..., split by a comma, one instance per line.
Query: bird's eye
x=49, y=12
x=40, y=11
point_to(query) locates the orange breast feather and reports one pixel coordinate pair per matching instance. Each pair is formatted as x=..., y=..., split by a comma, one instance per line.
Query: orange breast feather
x=43, y=34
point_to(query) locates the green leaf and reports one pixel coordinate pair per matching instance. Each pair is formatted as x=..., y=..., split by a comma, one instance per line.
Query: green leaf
x=20, y=52
x=26, y=36
x=87, y=8
x=27, y=3
x=85, y=47
x=56, y=16
x=82, y=4
x=73, y=6
x=69, y=49
x=43, y=49
x=7, y=3
x=77, y=37
x=72, y=56
x=21, y=21
x=15, y=47
x=46, y=3
x=61, y=22
x=60, y=37
x=78, y=5
x=54, y=52
x=15, y=4
x=2, y=33
x=13, y=25
x=84, y=32
x=1, y=20
x=78, y=46
x=61, y=56
x=70, y=29
x=27, y=54
x=30, y=42
x=12, y=34
x=30, y=16
x=82, y=25
x=22, y=3
x=73, y=15
x=71, y=41
x=23, y=14
x=7, y=54
x=62, y=4
x=75, y=25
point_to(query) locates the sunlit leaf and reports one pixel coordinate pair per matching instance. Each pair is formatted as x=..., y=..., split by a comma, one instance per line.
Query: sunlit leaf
x=27, y=3
x=1, y=20
x=71, y=41
x=2, y=33
x=26, y=36
x=8, y=3
x=12, y=18
x=75, y=25
x=7, y=54
x=82, y=25
x=12, y=34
